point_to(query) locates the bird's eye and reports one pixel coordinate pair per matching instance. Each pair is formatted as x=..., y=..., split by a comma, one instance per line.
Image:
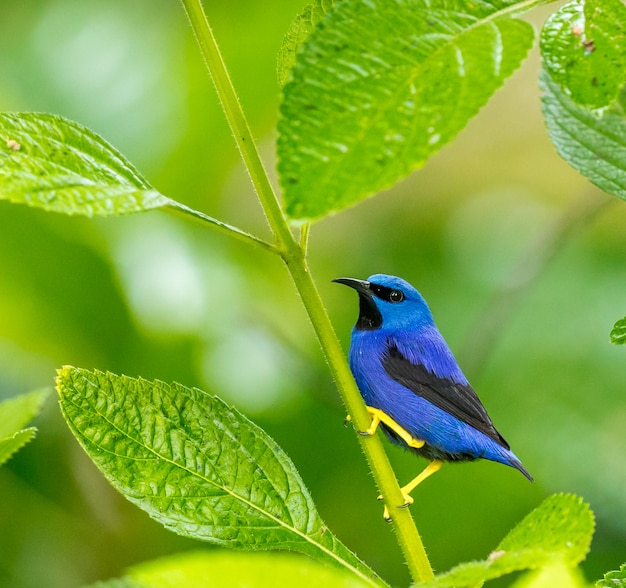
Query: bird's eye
x=396, y=296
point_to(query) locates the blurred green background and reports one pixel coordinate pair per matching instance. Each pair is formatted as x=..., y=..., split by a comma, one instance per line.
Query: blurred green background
x=155, y=296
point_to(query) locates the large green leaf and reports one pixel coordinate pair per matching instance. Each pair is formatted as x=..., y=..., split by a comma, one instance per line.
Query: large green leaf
x=583, y=45
x=15, y=414
x=235, y=570
x=379, y=86
x=559, y=531
x=196, y=465
x=50, y=162
x=591, y=141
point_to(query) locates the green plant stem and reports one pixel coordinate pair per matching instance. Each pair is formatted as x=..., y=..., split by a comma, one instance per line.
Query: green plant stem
x=179, y=209
x=294, y=257
x=236, y=119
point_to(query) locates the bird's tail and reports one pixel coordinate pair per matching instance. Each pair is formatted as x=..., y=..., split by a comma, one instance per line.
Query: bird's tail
x=517, y=464
x=504, y=455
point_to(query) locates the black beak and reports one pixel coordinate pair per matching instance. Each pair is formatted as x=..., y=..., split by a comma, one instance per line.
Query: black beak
x=369, y=315
x=361, y=286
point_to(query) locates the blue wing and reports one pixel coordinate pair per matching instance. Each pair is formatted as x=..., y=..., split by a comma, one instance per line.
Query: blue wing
x=458, y=400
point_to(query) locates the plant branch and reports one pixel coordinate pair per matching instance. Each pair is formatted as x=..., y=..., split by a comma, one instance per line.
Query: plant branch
x=237, y=120
x=179, y=209
x=293, y=254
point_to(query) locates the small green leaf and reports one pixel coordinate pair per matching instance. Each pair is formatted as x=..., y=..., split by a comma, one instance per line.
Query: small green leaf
x=380, y=86
x=298, y=33
x=583, y=45
x=236, y=570
x=618, y=334
x=592, y=142
x=10, y=444
x=15, y=413
x=614, y=579
x=50, y=162
x=196, y=465
x=559, y=531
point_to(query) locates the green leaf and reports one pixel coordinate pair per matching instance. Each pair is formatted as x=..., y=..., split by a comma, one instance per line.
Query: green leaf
x=559, y=531
x=15, y=413
x=196, y=465
x=552, y=576
x=50, y=162
x=298, y=33
x=618, y=334
x=614, y=579
x=592, y=142
x=236, y=570
x=12, y=443
x=380, y=86
x=583, y=45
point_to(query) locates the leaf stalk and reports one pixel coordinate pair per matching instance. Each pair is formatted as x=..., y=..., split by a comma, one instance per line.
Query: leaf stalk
x=179, y=209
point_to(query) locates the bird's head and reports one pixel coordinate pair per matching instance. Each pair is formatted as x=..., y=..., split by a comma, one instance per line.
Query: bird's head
x=388, y=302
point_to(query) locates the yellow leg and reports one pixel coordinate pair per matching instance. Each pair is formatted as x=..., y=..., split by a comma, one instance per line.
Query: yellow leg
x=378, y=416
x=429, y=470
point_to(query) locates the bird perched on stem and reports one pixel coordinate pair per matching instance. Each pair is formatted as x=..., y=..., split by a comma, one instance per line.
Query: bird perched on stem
x=412, y=385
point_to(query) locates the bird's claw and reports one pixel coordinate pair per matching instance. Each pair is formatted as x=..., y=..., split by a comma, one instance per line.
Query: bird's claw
x=430, y=469
x=407, y=502
x=374, y=424
x=370, y=431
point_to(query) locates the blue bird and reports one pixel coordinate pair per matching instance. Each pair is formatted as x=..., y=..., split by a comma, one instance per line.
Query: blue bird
x=411, y=383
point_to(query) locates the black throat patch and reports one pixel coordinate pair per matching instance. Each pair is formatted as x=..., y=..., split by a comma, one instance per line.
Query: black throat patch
x=370, y=318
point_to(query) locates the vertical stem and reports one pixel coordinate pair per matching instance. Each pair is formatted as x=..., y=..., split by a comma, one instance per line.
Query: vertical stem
x=236, y=119
x=294, y=257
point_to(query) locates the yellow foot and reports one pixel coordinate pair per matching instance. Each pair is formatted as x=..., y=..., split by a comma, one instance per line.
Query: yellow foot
x=429, y=470
x=408, y=500
x=378, y=416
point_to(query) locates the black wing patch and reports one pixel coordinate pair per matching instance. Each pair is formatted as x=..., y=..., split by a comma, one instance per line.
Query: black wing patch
x=459, y=400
